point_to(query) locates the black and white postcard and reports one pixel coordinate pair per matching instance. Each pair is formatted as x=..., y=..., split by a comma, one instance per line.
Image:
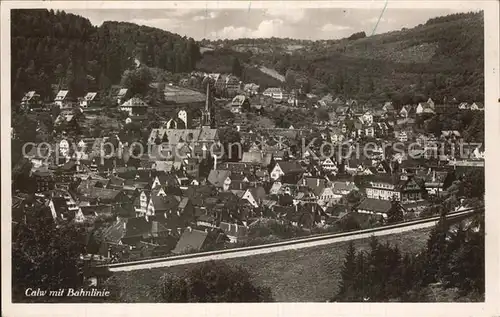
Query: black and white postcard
x=318, y=158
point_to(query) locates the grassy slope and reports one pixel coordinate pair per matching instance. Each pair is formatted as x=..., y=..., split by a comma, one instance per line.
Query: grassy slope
x=305, y=275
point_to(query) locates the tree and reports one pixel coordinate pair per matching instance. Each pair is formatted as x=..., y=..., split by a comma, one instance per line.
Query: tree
x=230, y=138
x=468, y=262
x=18, y=83
x=137, y=80
x=286, y=200
x=160, y=90
x=104, y=82
x=157, y=140
x=436, y=252
x=69, y=78
x=455, y=242
x=213, y=282
x=349, y=223
x=290, y=79
x=236, y=68
x=30, y=73
x=353, y=197
x=409, y=277
x=339, y=82
x=395, y=213
x=322, y=114
x=44, y=255
x=473, y=184
x=164, y=139
x=453, y=257
x=349, y=274
x=206, y=164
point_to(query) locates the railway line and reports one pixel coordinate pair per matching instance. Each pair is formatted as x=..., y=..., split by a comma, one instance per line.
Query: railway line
x=291, y=244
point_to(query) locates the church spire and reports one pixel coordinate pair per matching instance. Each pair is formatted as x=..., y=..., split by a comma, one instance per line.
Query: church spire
x=207, y=101
x=206, y=119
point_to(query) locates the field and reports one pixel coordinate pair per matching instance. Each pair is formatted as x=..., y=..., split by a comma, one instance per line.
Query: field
x=272, y=73
x=305, y=275
x=205, y=49
x=174, y=94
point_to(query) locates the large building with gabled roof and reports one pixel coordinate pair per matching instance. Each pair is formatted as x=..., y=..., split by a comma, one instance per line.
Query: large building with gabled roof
x=204, y=136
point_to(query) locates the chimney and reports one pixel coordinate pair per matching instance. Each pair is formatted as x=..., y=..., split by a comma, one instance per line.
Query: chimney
x=236, y=227
x=317, y=182
x=109, y=252
x=124, y=225
x=215, y=162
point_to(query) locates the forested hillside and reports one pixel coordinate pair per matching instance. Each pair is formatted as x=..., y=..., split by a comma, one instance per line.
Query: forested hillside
x=450, y=268
x=443, y=57
x=58, y=48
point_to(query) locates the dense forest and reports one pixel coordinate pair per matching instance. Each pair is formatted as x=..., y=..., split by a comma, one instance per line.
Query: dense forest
x=469, y=123
x=442, y=58
x=449, y=268
x=66, y=50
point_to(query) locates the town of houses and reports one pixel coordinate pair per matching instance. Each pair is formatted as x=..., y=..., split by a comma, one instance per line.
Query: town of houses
x=173, y=202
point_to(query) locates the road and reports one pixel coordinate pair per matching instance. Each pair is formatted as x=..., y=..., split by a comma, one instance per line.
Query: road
x=277, y=247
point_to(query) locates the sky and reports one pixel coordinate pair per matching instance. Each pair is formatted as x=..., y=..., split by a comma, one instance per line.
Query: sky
x=310, y=24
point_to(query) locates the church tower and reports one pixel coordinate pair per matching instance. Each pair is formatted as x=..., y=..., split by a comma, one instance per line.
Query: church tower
x=206, y=116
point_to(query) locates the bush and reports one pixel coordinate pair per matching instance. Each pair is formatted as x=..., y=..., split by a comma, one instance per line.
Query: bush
x=213, y=282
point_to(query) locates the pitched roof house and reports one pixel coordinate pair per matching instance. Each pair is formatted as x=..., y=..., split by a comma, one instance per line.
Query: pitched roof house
x=343, y=188
x=283, y=169
x=435, y=182
x=89, y=100
x=257, y=158
x=425, y=108
x=315, y=184
x=388, y=107
x=61, y=99
x=134, y=106
x=103, y=195
x=30, y=98
x=464, y=106
x=220, y=179
x=403, y=187
x=239, y=102
x=139, y=229
x=234, y=232
x=121, y=95
x=191, y=240
x=477, y=106
x=374, y=206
